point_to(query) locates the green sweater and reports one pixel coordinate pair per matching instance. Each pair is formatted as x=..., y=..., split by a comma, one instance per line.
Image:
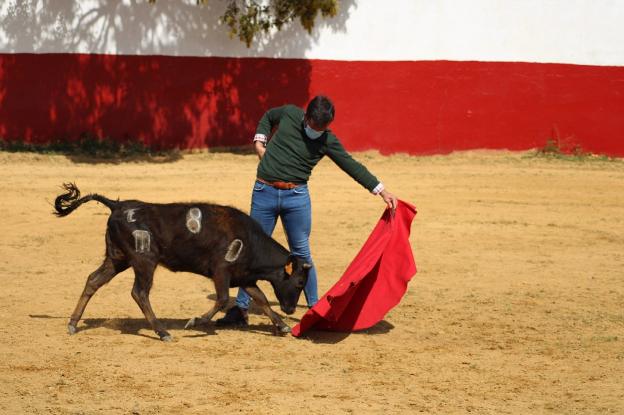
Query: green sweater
x=290, y=155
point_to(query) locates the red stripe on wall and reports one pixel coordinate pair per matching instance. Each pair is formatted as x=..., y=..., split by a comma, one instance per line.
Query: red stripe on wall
x=432, y=107
x=414, y=107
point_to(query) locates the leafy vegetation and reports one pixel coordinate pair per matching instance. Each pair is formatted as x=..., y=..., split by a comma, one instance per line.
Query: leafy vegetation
x=553, y=150
x=565, y=149
x=248, y=18
x=87, y=145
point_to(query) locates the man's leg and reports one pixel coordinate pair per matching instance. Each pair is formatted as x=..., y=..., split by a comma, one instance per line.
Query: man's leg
x=296, y=216
x=264, y=209
x=264, y=203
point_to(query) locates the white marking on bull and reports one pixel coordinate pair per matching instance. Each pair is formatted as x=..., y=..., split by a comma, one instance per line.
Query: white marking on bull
x=234, y=250
x=130, y=215
x=141, y=241
x=193, y=220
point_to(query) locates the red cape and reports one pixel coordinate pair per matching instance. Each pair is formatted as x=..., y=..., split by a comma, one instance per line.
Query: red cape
x=374, y=282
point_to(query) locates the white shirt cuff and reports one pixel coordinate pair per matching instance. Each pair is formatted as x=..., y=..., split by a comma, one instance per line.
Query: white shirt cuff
x=260, y=137
x=378, y=189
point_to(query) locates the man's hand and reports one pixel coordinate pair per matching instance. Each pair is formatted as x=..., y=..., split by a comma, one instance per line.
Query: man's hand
x=390, y=200
x=260, y=149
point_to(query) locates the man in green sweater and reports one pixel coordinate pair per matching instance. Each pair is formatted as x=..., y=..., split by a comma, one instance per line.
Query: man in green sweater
x=300, y=141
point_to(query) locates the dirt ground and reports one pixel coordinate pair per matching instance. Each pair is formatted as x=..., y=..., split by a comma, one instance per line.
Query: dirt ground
x=517, y=306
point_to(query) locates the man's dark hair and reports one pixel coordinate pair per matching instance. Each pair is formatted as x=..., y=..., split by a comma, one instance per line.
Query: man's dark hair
x=320, y=110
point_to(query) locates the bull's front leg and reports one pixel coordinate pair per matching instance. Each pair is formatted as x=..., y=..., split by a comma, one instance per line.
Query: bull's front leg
x=261, y=300
x=222, y=288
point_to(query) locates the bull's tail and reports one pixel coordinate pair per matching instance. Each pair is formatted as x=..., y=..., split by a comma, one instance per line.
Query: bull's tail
x=71, y=200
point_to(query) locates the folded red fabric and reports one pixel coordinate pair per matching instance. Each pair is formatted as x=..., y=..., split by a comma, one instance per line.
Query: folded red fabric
x=373, y=283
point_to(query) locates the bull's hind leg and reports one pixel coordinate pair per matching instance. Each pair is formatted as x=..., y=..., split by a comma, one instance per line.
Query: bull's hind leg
x=97, y=279
x=261, y=300
x=143, y=279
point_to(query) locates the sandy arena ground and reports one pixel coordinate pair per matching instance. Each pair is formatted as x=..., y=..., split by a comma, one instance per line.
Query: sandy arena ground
x=518, y=305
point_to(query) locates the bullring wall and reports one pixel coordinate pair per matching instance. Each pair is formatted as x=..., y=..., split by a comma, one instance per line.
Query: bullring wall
x=416, y=76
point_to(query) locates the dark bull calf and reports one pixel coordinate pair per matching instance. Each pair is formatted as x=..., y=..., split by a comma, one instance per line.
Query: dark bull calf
x=215, y=241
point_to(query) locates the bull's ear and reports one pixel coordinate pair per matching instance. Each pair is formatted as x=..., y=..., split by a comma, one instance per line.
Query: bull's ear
x=307, y=266
x=288, y=268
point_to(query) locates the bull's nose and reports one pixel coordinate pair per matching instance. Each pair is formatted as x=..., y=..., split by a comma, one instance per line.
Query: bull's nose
x=288, y=310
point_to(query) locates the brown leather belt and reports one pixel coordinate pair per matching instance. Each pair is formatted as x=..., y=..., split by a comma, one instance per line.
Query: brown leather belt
x=279, y=185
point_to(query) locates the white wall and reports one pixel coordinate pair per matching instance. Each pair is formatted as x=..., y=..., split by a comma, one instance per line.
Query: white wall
x=562, y=31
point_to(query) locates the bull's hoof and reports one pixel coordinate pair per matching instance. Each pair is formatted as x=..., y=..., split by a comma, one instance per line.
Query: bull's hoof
x=190, y=324
x=194, y=322
x=164, y=336
x=71, y=329
x=281, y=330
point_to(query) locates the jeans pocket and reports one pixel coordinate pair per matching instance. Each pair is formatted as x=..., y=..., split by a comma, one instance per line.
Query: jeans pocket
x=300, y=190
x=259, y=186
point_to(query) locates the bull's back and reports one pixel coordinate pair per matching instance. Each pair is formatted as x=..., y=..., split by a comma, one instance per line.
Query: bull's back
x=191, y=237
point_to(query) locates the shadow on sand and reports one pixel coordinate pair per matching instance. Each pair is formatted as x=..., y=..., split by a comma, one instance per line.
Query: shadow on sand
x=133, y=326
x=333, y=337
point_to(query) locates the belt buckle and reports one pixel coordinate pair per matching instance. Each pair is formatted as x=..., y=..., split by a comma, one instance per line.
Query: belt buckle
x=278, y=184
x=284, y=185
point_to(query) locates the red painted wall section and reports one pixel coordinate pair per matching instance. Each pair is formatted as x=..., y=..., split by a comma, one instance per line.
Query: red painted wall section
x=414, y=107
x=441, y=106
x=166, y=102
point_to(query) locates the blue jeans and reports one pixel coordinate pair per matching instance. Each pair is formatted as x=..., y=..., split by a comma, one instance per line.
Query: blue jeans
x=295, y=209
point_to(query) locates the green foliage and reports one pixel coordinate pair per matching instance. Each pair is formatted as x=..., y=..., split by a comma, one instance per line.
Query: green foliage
x=248, y=18
x=550, y=148
x=87, y=145
x=560, y=148
x=554, y=150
